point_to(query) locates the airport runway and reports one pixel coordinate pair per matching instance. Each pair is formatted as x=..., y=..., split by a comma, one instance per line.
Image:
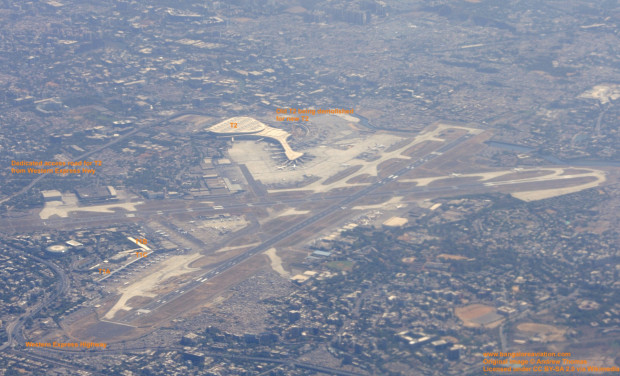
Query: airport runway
x=265, y=245
x=337, y=203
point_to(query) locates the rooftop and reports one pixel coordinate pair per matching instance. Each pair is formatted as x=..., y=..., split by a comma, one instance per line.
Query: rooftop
x=242, y=125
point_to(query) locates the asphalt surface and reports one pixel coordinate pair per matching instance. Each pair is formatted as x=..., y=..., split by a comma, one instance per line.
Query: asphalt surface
x=340, y=203
x=265, y=245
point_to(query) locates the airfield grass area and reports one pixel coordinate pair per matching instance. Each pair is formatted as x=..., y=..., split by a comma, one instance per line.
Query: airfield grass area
x=342, y=163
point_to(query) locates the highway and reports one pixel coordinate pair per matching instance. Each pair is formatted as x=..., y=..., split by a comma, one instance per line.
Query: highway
x=14, y=329
x=47, y=358
x=44, y=355
x=265, y=245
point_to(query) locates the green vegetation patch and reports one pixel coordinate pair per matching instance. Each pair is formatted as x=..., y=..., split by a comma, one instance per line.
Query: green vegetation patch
x=341, y=265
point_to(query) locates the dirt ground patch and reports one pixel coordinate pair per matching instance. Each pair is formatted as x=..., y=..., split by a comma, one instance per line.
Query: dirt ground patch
x=450, y=181
x=478, y=315
x=341, y=175
x=279, y=224
x=390, y=166
x=547, y=333
x=193, y=301
x=196, y=119
x=521, y=175
x=91, y=328
x=398, y=145
x=589, y=182
x=145, y=286
x=103, y=331
x=472, y=311
x=361, y=179
x=243, y=247
x=391, y=204
x=574, y=171
x=138, y=301
x=209, y=260
x=276, y=262
x=421, y=149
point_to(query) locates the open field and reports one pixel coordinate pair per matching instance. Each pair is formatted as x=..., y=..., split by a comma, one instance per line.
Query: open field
x=193, y=301
x=475, y=315
x=94, y=326
x=341, y=175
x=69, y=204
x=332, y=162
x=547, y=333
x=547, y=193
x=340, y=168
x=197, y=120
x=276, y=262
x=174, y=266
x=510, y=178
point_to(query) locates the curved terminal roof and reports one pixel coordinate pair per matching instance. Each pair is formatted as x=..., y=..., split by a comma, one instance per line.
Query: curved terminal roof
x=238, y=125
x=243, y=125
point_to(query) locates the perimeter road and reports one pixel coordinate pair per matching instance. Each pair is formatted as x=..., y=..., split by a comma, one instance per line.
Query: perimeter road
x=342, y=205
